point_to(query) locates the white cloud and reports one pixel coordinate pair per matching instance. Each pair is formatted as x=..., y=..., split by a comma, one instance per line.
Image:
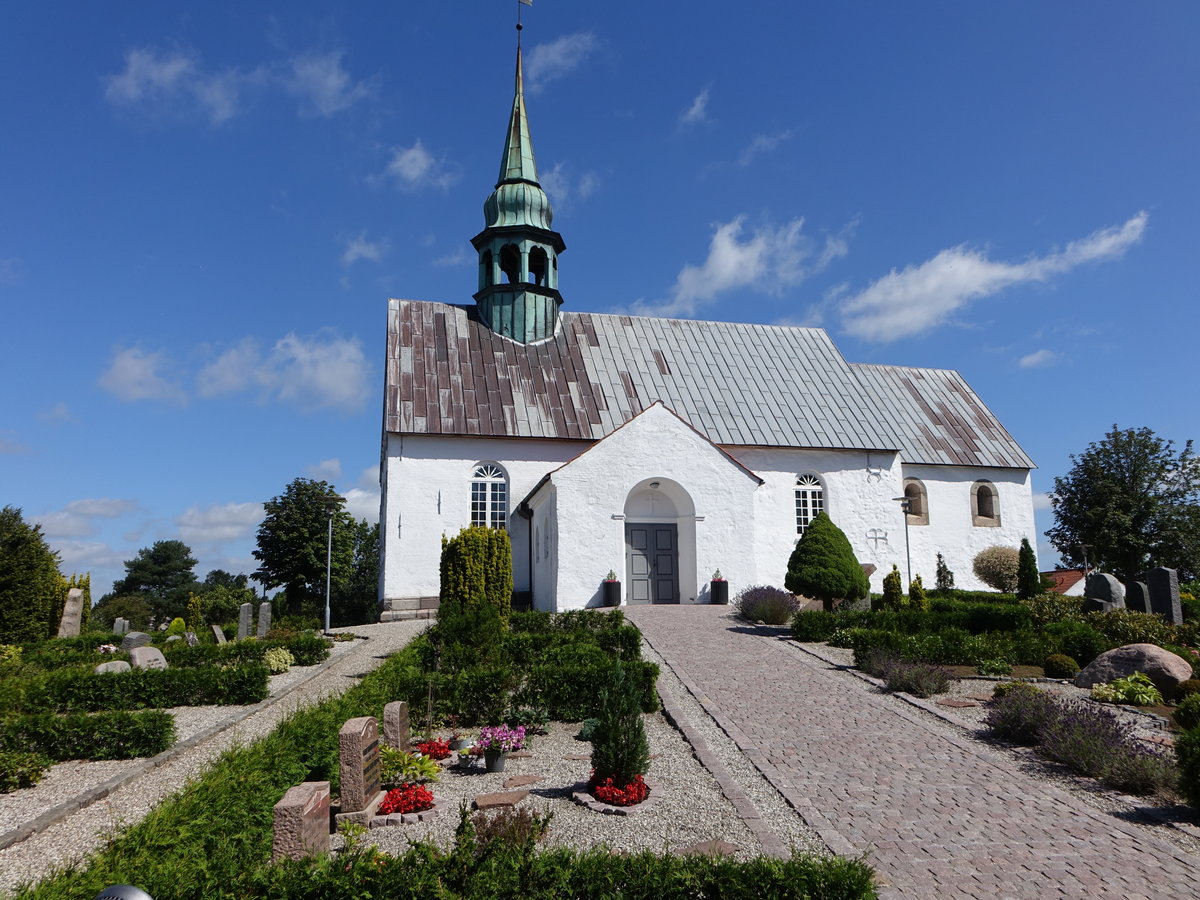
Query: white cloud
x=360, y=248
x=368, y=479
x=562, y=188
x=324, y=86
x=920, y=298
x=326, y=470
x=770, y=259
x=1041, y=500
x=546, y=62
x=75, y=519
x=11, y=445
x=223, y=522
x=363, y=504
x=58, y=414
x=761, y=144
x=457, y=257
x=1037, y=358
x=134, y=375
x=83, y=556
x=697, y=113
x=415, y=167
x=320, y=372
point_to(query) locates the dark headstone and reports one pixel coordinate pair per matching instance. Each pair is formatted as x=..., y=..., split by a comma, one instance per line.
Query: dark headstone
x=135, y=639
x=1105, y=588
x=264, y=619
x=219, y=634
x=358, y=755
x=1137, y=597
x=1091, y=604
x=1163, y=584
x=147, y=658
x=302, y=822
x=72, y=614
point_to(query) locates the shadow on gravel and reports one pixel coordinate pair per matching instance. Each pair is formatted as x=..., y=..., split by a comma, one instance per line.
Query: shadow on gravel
x=762, y=630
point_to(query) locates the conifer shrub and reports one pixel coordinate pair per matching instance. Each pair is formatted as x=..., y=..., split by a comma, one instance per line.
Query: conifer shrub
x=997, y=567
x=917, y=599
x=893, y=590
x=105, y=735
x=1029, y=579
x=823, y=565
x=177, y=627
x=620, y=750
x=945, y=578
x=1059, y=665
x=476, y=568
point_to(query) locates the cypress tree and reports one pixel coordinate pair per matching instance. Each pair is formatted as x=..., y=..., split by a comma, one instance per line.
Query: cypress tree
x=945, y=578
x=893, y=590
x=31, y=588
x=917, y=598
x=1029, y=579
x=823, y=565
x=619, y=747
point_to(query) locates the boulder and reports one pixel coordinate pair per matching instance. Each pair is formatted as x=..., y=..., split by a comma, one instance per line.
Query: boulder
x=1161, y=666
x=116, y=667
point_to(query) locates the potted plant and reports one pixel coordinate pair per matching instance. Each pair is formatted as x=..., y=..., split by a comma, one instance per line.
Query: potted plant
x=612, y=589
x=719, y=589
x=456, y=740
x=496, y=742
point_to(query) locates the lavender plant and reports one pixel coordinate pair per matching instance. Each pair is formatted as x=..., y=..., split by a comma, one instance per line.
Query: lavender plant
x=919, y=679
x=1021, y=713
x=763, y=603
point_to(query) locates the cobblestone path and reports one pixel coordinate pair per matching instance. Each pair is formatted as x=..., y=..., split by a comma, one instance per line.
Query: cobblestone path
x=938, y=815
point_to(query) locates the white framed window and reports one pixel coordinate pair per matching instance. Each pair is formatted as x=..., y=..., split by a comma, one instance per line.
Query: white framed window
x=489, y=496
x=810, y=500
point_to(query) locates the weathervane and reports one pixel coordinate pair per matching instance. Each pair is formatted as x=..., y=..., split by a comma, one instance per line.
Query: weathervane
x=521, y=3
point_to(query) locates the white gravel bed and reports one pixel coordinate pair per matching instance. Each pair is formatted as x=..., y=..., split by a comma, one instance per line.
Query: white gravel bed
x=72, y=838
x=774, y=810
x=1146, y=813
x=690, y=808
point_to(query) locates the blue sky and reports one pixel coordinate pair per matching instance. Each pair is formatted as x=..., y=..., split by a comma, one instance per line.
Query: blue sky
x=204, y=208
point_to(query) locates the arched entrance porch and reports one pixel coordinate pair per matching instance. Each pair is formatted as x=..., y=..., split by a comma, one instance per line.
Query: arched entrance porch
x=660, y=543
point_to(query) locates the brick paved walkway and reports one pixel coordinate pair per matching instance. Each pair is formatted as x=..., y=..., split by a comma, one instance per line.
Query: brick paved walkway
x=940, y=816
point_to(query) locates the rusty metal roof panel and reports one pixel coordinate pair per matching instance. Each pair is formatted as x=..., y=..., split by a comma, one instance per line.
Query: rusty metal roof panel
x=738, y=384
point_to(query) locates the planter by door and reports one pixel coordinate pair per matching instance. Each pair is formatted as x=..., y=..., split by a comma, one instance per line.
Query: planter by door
x=612, y=593
x=493, y=760
x=720, y=591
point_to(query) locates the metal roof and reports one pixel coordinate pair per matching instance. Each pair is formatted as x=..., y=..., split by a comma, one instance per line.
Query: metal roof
x=738, y=384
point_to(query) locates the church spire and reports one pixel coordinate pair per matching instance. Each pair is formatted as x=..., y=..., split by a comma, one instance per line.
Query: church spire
x=518, y=252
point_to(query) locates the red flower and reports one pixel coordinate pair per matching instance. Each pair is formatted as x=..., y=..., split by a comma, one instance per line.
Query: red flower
x=408, y=798
x=630, y=795
x=434, y=749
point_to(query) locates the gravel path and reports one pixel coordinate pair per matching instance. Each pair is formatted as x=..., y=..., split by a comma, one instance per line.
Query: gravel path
x=71, y=838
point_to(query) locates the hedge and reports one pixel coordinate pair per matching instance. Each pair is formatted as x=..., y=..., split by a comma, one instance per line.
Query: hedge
x=147, y=689
x=308, y=650
x=108, y=735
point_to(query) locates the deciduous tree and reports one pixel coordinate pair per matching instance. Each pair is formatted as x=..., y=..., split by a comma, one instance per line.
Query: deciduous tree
x=1134, y=501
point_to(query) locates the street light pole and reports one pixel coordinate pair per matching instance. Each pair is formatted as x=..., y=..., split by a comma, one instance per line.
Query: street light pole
x=904, y=506
x=330, y=508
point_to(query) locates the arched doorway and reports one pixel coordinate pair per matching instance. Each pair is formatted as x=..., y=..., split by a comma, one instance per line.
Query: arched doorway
x=660, y=535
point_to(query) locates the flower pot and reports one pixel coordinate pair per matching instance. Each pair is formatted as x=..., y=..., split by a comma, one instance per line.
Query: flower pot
x=457, y=743
x=719, y=591
x=493, y=760
x=612, y=593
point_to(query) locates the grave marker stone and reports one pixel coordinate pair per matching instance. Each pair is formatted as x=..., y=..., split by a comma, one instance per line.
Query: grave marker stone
x=302, y=822
x=116, y=667
x=192, y=640
x=358, y=758
x=1137, y=596
x=72, y=614
x=147, y=658
x=1163, y=585
x=173, y=637
x=1105, y=588
x=135, y=639
x=245, y=613
x=396, y=731
x=264, y=619
x=120, y=626
x=218, y=634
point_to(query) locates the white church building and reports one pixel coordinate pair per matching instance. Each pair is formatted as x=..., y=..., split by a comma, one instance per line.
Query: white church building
x=663, y=449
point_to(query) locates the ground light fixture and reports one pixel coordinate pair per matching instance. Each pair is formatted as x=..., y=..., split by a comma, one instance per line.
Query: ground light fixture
x=123, y=892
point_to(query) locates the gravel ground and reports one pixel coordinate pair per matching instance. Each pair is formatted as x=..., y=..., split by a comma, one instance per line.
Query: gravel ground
x=1169, y=820
x=70, y=839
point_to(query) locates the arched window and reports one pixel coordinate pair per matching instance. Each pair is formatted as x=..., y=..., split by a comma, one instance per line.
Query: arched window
x=918, y=501
x=537, y=266
x=489, y=496
x=510, y=263
x=985, y=504
x=810, y=500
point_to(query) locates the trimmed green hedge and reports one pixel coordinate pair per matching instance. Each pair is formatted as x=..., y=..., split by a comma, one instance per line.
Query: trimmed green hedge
x=308, y=650
x=110, y=735
x=147, y=689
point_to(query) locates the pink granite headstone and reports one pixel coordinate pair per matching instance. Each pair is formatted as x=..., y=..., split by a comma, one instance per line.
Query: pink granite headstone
x=358, y=756
x=396, y=730
x=302, y=822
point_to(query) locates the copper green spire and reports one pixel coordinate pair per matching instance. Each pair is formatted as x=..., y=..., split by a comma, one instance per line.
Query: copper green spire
x=518, y=164
x=518, y=198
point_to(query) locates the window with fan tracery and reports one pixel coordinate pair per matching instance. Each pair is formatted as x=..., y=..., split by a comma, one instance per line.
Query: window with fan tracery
x=489, y=496
x=810, y=500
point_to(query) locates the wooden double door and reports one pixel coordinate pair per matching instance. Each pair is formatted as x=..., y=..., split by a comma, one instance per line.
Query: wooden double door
x=652, y=562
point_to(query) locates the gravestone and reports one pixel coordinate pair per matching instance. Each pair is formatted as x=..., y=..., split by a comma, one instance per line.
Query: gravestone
x=302, y=822
x=72, y=614
x=1105, y=588
x=116, y=667
x=245, y=613
x=264, y=619
x=1163, y=584
x=218, y=634
x=135, y=639
x=173, y=637
x=358, y=759
x=396, y=732
x=147, y=658
x=120, y=626
x=1137, y=596
x=192, y=640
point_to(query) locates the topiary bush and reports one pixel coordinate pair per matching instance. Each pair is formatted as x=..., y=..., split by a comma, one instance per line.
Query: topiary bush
x=917, y=598
x=476, y=568
x=893, y=591
x=997, y=567
x=105, y=735
x=823, y=565
x=1029, y=579
x=1059, y=665
x=763, y=603
x=945, y=578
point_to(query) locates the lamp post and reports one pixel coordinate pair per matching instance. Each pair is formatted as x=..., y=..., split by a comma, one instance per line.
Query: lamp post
x=331, y=507
x=1084, y=548
x=905, y=504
